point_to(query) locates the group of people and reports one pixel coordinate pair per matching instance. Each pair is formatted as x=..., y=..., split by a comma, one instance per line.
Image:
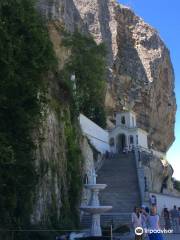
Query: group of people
x=146, y=218
x=172, y=218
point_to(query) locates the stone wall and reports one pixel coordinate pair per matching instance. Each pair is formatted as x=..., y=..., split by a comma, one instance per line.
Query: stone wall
x=51, y=164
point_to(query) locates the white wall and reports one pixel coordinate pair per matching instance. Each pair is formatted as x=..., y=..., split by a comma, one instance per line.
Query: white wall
x=132, y=120
x=118, y=130
x=142, y=139
x=166, y=201
x=99, y=137
x=142, y=135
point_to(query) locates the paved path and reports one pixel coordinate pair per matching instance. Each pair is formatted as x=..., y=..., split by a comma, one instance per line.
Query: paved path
x=172, y=237
x=166, y=237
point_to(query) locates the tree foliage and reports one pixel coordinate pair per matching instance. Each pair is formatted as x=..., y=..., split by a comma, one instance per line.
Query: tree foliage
x=88, y=63
x=176, y=184
x=26, y=54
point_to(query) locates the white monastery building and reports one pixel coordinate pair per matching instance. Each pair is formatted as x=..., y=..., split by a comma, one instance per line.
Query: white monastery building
x=126, y=134
x=123, y=137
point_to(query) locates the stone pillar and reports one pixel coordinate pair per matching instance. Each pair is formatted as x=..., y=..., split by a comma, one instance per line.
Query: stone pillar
x=96, y=226
x=95, y=197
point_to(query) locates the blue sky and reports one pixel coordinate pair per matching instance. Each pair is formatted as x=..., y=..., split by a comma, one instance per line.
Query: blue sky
x=164, y=15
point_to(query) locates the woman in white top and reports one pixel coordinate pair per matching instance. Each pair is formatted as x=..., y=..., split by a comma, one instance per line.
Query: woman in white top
x=153, y=224
x=136, y=221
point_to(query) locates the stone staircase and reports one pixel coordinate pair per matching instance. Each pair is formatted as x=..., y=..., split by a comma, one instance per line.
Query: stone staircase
x=122, y=190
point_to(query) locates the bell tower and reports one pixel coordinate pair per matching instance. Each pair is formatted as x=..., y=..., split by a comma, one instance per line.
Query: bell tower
x=126, y=119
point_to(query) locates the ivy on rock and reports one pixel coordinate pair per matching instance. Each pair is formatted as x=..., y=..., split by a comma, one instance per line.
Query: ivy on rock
x=26, y=57
x=26, y=54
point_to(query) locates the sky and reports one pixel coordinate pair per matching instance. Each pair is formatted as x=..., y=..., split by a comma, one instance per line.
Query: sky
x=164, y=15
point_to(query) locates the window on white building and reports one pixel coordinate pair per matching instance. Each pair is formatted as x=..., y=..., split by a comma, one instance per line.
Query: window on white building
x=123, y=120
x=131, y=139
x=137, y=140
x=111, y=142
x=85, y=179
x=133, y=122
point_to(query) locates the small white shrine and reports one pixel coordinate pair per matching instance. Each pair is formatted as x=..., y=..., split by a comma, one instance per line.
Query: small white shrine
x=126, y=135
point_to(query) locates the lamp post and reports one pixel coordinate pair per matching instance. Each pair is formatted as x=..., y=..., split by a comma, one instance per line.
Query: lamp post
x=74, y=89
x=73, y=80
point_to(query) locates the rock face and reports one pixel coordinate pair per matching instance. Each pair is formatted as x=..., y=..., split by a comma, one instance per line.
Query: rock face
x=158, y=173
x=52, y=167
x=63, y=11
x=140, y=76
x=54, y=184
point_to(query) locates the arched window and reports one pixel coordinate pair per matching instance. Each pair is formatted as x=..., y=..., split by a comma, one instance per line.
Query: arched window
x=85, y=179
x=111, y=142
x=131, y=139
x=137, y=141
x=123, y=120
x=133, y=122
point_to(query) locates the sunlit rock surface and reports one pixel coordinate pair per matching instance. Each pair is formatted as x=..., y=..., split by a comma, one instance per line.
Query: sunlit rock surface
x=140, y=74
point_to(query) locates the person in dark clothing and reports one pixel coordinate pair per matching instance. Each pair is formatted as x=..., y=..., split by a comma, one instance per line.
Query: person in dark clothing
x=166, y=216
x=147, y=210
x=175, y=219
x=179, y=215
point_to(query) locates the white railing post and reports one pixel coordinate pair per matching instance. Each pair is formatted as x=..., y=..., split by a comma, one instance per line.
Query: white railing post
x=111, y=233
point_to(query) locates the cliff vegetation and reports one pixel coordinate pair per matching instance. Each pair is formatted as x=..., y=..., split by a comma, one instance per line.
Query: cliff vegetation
x=32, y=90
x=26, y=54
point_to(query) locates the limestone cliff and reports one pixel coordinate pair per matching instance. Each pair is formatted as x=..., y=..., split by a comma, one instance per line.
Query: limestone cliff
x=58, y=138
x=63, y=11
x=140, y=75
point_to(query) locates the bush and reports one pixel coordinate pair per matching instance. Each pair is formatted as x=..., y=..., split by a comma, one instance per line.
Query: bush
x=176, y=184
x=88, y=63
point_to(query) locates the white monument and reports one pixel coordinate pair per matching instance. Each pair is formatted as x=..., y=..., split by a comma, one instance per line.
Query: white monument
x=94, y=207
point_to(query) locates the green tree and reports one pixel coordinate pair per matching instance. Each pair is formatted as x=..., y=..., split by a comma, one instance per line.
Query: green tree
x=176, y=184
x=88, y=63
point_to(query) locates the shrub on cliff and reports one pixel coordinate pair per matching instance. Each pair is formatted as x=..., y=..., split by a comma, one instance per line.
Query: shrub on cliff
x=88, y=63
